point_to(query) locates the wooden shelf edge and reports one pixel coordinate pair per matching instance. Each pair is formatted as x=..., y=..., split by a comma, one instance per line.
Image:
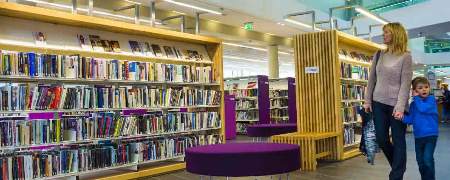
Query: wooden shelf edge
x=60, y=17
x=347, y=38
x=147, y=172
x=351, y=153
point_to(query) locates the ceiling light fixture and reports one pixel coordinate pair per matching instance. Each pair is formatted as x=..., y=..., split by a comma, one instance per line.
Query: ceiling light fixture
x=134, y=2
x=245, y=59
x=194, y=7
x=252, y=47
x=94, y=11
x=370, y=15
x=179, y=12
x=301, y=24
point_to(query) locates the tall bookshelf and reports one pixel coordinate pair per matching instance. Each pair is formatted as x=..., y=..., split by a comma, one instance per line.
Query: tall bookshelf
x=252, y=100
x=282, y=100
x=320, y=97
x=181, y=123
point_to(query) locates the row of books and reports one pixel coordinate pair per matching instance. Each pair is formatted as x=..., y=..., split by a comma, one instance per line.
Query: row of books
x=278, y=93
x=349, y=135
x=15, y=133
x=155, y=50
x=76, y=67
x=52, y=162
x=246, y=104
x=247, y=115
x=44, y=97
x=277, y=113
x=241, y=128
x=244, y=92
x=353, y=92
x=278, y=102
x=350, y=113
x=354, y=71
x=355, y=55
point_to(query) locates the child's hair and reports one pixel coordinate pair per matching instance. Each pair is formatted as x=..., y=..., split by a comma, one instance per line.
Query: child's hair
x=419, y=80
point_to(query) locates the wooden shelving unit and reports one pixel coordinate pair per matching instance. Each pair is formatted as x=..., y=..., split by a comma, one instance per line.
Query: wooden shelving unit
x=319, y=94
x=213, y=48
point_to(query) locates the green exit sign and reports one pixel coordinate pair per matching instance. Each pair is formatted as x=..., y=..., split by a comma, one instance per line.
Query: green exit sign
x=248, y=26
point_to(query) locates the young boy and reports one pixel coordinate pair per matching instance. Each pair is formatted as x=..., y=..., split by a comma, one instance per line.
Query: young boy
x=423, y=115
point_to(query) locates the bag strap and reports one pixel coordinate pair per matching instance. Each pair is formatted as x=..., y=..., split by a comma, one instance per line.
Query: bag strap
x=377, y=58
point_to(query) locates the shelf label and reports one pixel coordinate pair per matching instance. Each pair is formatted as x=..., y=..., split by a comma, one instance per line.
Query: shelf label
x=312, y=70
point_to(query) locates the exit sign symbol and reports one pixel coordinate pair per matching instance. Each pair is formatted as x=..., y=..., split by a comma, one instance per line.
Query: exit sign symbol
x=248, y=26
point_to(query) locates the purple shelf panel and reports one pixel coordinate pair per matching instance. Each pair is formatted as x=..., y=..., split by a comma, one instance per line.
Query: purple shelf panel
x=263, y=99
x=44, y=115
x=230, y=117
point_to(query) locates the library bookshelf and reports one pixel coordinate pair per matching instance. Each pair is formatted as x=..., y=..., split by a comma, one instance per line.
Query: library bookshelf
x=251, y=98
x=322, y=121
x=213, y=49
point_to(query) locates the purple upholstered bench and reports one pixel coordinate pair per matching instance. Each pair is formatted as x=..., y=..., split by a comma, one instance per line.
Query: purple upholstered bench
x=243, y=159
x=267, y=130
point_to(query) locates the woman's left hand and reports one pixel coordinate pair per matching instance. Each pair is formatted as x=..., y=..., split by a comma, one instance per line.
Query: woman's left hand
x=398, y=115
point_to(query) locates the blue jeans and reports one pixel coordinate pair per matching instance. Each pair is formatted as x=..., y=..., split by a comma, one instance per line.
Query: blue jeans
x=395, y=152
x=424, y=155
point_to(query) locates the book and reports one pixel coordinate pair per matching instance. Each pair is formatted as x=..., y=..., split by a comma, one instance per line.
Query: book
x=40, y=38
x=157, y=50
x=169, y=52
x=83, y=42
x=146, y=49
x=96, y=43
x=115, y=46
x=135, y=47
x=106, y=45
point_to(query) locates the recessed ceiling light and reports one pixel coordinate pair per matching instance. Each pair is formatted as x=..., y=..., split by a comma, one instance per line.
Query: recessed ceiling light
x=281, y=24
x=194, y=7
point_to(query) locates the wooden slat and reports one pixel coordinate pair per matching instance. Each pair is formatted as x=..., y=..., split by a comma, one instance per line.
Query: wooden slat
x=60, y=17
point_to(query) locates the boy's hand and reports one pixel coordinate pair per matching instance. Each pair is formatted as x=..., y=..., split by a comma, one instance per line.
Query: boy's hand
x=367, y=108
x=398, y=115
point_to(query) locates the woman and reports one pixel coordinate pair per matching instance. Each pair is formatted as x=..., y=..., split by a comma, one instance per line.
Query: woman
x=387, y=96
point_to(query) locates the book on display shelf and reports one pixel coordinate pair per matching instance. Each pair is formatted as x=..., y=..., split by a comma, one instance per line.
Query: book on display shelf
x=355, y=56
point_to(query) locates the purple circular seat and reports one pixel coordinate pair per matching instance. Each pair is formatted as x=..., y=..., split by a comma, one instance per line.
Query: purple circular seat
x=243, y=159
x=267, y=130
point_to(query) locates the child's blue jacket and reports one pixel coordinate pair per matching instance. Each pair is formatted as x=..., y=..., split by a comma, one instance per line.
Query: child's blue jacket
x=423, y=115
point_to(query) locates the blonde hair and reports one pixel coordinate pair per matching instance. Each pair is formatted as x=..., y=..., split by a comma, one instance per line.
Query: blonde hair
x=399, y=42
